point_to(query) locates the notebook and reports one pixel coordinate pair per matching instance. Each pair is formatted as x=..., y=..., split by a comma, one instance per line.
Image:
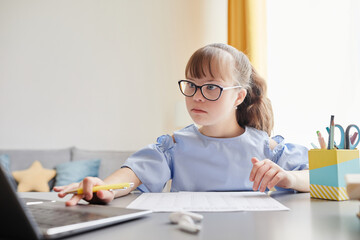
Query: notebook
x=43, y=219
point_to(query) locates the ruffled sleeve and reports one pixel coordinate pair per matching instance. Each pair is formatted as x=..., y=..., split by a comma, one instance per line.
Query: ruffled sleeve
x=289, y=156
x=153, y=164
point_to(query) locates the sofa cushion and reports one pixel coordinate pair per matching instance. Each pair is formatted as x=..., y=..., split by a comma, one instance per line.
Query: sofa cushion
x=110, y=160
x=35, y=178
x=5, y=163
x=71, y=172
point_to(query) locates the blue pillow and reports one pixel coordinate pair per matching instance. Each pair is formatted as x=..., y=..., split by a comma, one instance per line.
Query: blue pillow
x=76, y=171
x=5, y=163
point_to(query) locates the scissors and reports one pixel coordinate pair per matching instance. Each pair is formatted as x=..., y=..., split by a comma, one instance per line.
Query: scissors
x=345, y=139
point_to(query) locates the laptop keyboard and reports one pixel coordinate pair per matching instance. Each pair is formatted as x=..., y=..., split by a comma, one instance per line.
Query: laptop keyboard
x=52, y=217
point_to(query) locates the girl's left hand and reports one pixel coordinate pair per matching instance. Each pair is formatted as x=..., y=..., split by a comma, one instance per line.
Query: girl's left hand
x=269, y=174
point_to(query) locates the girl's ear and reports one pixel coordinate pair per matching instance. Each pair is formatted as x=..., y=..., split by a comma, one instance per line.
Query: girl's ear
x=241, y=96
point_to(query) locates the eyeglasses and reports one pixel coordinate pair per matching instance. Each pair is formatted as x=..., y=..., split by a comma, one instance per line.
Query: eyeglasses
x=211, y=92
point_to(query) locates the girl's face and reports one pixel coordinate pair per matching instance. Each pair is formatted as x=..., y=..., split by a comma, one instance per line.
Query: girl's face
x=219, y=113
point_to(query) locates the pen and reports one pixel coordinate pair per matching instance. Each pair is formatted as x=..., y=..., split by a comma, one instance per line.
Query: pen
x=331, y=133
x=321, y=140
x=104, y=187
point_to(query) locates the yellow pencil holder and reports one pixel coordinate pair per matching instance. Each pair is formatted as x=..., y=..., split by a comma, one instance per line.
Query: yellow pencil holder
x=327, y=172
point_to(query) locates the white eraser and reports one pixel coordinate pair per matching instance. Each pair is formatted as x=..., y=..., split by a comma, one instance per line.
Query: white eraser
x=175, y=216
x=187, y=224
x=353, y=185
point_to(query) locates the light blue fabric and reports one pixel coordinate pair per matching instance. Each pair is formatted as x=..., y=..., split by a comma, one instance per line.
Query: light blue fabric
x=76, y=171
x=5, y=163
x=200, y=163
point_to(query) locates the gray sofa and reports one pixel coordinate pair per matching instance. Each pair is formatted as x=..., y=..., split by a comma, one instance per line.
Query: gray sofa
x=22, y=159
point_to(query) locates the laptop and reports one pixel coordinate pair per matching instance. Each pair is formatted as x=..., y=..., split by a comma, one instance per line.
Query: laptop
x=44, y=219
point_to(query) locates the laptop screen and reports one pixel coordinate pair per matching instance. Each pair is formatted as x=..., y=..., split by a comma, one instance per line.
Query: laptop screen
x=37, y=219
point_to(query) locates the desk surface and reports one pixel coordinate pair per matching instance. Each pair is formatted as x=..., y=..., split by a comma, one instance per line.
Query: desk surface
x=307, y=219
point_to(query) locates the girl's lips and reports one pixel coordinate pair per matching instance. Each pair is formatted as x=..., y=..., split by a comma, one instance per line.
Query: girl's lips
x=195, y=110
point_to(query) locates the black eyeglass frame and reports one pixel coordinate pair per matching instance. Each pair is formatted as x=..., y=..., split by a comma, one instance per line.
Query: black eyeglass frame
x=200, y=87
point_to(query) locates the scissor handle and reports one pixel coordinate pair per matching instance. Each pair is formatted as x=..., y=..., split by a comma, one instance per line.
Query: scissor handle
x=348, y=144
x=341, y=145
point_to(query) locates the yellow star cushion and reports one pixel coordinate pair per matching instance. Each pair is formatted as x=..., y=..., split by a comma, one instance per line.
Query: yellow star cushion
x=35, y=178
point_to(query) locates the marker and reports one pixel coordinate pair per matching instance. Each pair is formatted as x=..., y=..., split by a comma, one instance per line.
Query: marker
x=104, y=187
x=331, y=134
x=314, y=146
x=321, y=140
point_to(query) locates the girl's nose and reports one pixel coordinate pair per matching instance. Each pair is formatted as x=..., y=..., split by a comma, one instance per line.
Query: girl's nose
x=198, y=96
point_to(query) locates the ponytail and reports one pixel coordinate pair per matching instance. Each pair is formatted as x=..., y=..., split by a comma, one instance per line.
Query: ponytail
x=256, y=110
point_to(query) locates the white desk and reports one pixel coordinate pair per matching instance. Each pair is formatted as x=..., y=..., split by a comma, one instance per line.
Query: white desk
x=307, y=219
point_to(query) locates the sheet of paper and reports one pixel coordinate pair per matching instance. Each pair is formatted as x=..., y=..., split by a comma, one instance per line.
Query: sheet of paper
x=207, y=202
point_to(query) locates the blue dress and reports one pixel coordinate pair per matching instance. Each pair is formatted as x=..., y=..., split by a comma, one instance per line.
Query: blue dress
x=196, y=162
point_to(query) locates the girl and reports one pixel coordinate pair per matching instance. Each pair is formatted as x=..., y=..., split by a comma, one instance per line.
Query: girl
x=230, y=151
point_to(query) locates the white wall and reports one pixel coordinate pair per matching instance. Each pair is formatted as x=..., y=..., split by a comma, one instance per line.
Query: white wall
x=98, y=74
x=314, y=65
x=102, y=74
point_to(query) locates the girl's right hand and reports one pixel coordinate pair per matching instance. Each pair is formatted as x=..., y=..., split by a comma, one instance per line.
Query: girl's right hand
x=102, y=196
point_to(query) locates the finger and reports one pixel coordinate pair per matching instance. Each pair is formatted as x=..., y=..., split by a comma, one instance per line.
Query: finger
x=69, y=188
x=276, y=179
x=105, y=196
x=58, y=188
x=254, y=160
x=256, y=164
x=268, y=176
x=88, y=184
x=260, y=174
x=74, y=200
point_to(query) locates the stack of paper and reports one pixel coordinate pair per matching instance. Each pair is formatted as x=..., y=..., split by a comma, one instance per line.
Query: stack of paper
x=207, y=202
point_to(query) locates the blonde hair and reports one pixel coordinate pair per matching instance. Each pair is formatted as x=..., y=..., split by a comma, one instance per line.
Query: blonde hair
x=224, y=61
